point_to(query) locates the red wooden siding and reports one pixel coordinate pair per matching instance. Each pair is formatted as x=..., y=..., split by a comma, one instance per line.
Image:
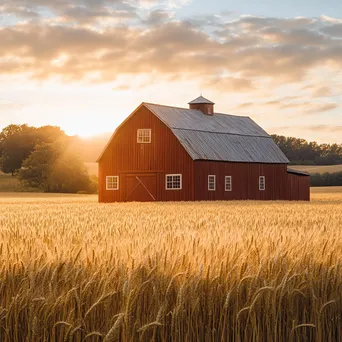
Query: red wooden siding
x=125, y=158
x=206, y=108
x=298, y=188
x=280, y=185
x=245, y=181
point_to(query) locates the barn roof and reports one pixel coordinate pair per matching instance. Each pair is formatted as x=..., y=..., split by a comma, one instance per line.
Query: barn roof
x=201, y=100
x=297, y=172
x=220, y=137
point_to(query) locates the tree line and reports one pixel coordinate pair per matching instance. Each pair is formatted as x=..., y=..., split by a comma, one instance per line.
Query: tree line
x=44, y=159
x=302, y=152
x=326, y=179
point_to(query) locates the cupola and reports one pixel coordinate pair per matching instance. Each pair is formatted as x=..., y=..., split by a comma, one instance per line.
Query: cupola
x=203, y=104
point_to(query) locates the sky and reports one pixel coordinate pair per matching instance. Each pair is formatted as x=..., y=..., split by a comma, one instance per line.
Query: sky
x=86, y=66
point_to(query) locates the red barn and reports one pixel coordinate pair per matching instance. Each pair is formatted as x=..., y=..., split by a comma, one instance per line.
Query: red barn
x=162, y=153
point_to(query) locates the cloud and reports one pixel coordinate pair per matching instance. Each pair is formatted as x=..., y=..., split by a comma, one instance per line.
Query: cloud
x=325, y=128
x=148, y=3
x=18, y=11
x=322, y=92
x=202, y=21
x=290, y=105
x=311, y=108
x=10, y=106
x=311, y=128
x=272, y=103
x=274, y=68
x=122, y=87
x=231, y=84
x=247, y=48
x=302, y=107
x=77, y=11
x=245, y=105
x=322, y=108
x=157, y=17
x=178, y=3
x=334, y=30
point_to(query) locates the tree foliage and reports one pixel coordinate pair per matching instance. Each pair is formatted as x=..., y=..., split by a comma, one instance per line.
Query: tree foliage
x=302, y=152
x=16, y=144
x=45, y=157
x=326, y=179
x=37, y=166
x=53, y=167
x=18, y=141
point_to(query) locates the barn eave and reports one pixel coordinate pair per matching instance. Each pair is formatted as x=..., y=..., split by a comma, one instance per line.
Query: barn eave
x=297, y=172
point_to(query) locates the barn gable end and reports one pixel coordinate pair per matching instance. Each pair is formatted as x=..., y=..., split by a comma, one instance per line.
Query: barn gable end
x=125, y=158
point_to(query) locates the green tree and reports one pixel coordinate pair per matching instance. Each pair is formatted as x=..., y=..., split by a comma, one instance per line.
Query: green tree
x=53, y=167
x=36, y=168
x=16, y=144
x=18, y=141
x=49, y=134
x=299, y=151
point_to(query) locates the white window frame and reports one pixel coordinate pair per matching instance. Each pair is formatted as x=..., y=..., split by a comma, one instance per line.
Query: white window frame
x=144, y=136
x=209, y=176
x=262, y=178
x=173, y=175
x=112, y=182
x=226, y=182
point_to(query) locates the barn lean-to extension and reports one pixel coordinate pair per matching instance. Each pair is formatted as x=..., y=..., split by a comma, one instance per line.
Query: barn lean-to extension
x=162, y=153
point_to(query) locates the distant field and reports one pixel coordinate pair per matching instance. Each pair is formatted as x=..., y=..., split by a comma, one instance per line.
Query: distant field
x=317, y=169
x=326, y=190
x=92, y=168
x=76, y=270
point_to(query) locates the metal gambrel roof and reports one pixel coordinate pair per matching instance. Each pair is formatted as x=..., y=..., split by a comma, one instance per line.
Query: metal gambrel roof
x=229, y=147
x=194, y=119
x=220, y=137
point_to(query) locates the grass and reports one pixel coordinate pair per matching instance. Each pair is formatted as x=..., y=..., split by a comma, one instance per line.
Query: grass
x=9, y=183
x=75, y=270
x=317, y=168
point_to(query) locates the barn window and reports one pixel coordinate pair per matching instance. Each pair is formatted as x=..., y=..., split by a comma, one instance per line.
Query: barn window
x=228, y=183
x=144, y=136
x=173, y=182
x=211, y=182
x=262, y=185
x=112, y=182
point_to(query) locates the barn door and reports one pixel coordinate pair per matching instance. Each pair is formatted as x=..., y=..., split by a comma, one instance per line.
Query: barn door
x=141, y=188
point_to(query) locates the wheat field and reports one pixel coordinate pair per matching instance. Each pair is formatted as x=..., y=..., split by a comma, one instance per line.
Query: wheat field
x=75, y=270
